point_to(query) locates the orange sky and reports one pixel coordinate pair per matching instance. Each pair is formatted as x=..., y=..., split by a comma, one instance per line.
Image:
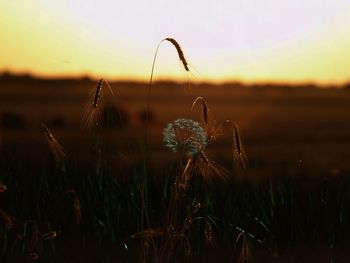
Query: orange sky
x=247, y=40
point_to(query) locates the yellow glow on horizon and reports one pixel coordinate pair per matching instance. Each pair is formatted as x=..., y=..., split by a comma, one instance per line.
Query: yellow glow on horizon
x=223, y=40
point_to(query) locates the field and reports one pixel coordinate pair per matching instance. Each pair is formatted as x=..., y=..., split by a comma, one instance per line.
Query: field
x=300, y=131
x=110, y=194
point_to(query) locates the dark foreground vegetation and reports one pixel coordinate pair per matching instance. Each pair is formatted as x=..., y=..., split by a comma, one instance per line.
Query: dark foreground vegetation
x=66, y=214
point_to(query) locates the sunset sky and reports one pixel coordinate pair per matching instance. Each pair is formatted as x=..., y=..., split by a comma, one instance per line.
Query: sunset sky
x=223, y=40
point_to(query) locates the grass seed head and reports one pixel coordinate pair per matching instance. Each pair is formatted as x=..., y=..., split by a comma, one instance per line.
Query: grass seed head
x=179, y=52
x=212, y=129
x=97, y=93
x=238, y=153
x=55, y=147
x=92, y=112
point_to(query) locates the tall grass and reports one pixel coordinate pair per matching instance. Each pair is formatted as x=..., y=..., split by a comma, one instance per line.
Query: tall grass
x=184, y=63
x=282, y=214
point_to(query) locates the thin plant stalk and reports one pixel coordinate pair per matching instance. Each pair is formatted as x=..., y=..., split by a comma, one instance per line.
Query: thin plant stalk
x=171, y=231
x=185, y=65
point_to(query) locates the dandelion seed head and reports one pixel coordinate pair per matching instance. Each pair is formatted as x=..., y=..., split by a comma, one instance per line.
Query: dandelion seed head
x=185, y=134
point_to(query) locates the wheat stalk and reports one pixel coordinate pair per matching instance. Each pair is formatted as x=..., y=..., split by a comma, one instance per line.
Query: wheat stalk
x=179, y=52
x=184, y=63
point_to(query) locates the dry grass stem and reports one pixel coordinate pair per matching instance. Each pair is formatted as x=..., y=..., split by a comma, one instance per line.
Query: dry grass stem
x=76, y=206
x=245, y=255
x=208, y=169
x=244, y=247
x=49, y=235
x=149, y=233
x=209, y=234
x=34, y=241
x=212, y=129
x=181, y=183
x=205, y=109
x=77, y=211
x=238, y=153
x=55, y=147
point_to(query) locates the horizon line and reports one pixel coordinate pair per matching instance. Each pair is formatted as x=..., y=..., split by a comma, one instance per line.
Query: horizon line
x=237, y=81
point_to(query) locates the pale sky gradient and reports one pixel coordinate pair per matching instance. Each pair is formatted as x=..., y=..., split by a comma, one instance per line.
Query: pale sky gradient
x=248, y=40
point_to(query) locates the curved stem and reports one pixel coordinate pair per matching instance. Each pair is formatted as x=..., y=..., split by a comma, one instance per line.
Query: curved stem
x=143, y=219
x=149, y=90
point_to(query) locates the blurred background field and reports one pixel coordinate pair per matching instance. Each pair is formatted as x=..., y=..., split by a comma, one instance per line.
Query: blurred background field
x=298, y=131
